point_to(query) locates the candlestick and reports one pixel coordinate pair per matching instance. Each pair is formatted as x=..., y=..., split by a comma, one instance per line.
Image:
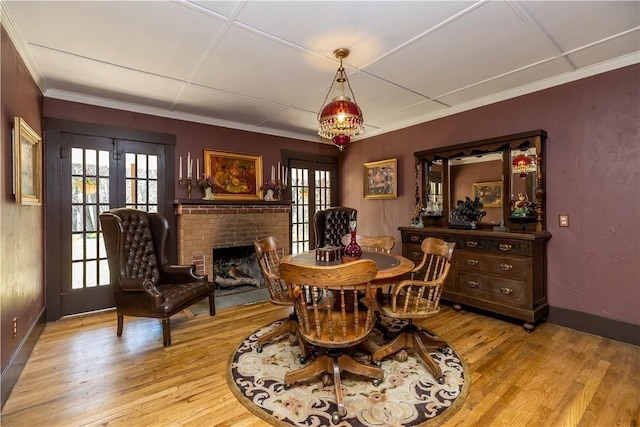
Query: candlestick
x=189, y=186
x=180, y=174
x=189, y=164
x=197, y=168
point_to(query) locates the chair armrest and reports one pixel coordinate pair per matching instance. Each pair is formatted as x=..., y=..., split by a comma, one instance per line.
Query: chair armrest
x=173, y=274
x=139, y=285
x=132, y=285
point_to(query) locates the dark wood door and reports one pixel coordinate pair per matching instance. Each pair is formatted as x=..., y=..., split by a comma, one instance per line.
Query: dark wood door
x=88, y=175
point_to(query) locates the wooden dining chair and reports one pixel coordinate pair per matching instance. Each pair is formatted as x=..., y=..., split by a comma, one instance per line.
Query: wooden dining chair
x=418, y=299
x=268, y=253
x=382, y=244
x=336, y=323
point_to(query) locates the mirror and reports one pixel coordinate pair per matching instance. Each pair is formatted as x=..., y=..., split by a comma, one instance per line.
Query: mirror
x=504, y=173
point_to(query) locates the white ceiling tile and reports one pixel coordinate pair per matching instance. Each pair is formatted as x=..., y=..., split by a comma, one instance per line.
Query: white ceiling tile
x=510, y=82
x=364, y=27
x=225, y=106
x=610, y=49
x=251, y=65
x=573, y=24
x=294, y=120
x=487, y=42
x=69, y=73
x=163, y=38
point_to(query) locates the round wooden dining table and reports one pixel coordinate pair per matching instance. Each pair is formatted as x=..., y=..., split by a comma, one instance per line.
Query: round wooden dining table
x=389, y=265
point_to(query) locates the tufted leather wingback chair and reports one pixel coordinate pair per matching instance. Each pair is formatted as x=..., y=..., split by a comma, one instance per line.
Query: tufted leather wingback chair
x=331, y=224
x=144, y=284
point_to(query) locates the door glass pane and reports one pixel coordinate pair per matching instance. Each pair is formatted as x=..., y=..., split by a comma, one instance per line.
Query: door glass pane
x=89, y=186
x=323, y=190
x=299, y=197
x=142, y=182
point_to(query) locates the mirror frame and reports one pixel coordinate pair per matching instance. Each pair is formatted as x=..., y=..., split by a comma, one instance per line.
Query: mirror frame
x=504, y=144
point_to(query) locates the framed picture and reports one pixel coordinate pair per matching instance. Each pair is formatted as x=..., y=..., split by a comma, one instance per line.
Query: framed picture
x=380, y=179
x=235, y=176
x=489, y=193
x=27, y=164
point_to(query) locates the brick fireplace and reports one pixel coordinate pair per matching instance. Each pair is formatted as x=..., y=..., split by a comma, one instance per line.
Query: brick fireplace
x=204, y=226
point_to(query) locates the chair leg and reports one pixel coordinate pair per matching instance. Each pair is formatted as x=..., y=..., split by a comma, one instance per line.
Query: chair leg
x=349, y=364
x=285, y=327
x=337, y=383
x=212, y=305
x=423, y=352
x=334, y=362
x=166, y=332
x=120, y=324
x=398, y=343
x=421, y=343
x=318, y=366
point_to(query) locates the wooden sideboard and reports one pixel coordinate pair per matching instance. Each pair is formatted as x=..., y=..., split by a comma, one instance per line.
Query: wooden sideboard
x=500, y=272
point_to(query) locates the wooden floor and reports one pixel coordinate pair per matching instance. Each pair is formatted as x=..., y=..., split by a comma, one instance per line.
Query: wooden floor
x=81, y=374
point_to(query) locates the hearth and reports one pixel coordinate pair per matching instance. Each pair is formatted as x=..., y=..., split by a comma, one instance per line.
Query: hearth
x=236, y=266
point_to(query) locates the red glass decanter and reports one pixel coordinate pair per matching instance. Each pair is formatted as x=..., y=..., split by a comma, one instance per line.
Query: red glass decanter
x=353, y=251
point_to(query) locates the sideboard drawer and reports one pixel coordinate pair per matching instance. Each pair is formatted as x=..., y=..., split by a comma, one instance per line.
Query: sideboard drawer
x=416, y=237
x=489, y=288
x=501, y=246
x=510, y=267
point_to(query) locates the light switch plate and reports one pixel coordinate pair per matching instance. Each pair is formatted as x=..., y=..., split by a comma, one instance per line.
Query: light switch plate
x=563, y=220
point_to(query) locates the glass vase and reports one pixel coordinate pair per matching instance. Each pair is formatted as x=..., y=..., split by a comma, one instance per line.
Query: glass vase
x=353, y=250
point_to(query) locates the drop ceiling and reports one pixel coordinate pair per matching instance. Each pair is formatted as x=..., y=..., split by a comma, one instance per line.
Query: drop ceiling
x=266, y=66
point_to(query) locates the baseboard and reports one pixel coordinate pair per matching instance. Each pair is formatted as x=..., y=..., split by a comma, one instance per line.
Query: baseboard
x=14, y=368
x=585, y=322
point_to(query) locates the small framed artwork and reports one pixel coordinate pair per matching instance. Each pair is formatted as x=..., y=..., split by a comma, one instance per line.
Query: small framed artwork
x=234, y=175
x=489, y=193
x=27, y=164
x=380, y=179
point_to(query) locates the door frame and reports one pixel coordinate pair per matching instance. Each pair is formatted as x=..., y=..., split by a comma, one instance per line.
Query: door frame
x=53, y=129
x=288, y=155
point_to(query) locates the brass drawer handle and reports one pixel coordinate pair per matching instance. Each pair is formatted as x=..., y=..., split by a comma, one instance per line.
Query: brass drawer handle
x=473, y=284
x=506, y=267
x=471, y=244
x=416, y=255
x=414, y=238
x=504, y=247
x=506, y=291
x=473, y=262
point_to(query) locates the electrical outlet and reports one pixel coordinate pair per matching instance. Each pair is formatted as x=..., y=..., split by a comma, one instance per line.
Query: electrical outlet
x=15, y=327
x=563, y=220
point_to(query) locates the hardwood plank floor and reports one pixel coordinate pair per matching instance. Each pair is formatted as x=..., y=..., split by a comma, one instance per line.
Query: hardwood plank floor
x=81, y=374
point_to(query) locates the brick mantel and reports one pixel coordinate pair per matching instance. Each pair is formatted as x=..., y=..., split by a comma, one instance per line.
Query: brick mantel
x=206, y=225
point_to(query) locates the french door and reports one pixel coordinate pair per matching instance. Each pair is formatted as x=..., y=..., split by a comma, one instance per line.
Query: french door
x=95, y=174
x=314, y=187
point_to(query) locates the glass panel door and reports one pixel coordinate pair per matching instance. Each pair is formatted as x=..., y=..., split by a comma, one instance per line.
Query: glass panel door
x=101, y=173
x=313, y=188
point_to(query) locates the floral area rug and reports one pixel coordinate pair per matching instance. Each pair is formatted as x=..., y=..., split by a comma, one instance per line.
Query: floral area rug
x=408, y=395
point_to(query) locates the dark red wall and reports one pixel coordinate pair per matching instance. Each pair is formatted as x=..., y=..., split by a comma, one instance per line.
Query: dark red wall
x=592, y=174
x=22, y=293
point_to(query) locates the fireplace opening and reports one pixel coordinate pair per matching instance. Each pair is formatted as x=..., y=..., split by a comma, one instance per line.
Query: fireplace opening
x=236, y=267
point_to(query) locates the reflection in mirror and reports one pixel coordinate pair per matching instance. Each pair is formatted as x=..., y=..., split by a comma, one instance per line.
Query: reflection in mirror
x=469, y=173
x=433, y=205
x=523, y=183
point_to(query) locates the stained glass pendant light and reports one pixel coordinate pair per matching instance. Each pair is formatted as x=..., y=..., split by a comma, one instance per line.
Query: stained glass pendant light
x=341, y=119
x=522, y=164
